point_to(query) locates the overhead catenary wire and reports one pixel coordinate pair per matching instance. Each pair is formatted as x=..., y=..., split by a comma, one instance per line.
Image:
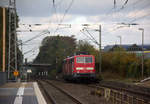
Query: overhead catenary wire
x=86, y=35
x=31, y=30
x=59, y=3
x=131, y=5
x=111, y=12
x=91, y=36
x=135, y=19
x=66, y=11
x=42, y=33
x=29, y=27
x=31, y=50
x=140, y=17
x=31, y=56
x=125, y=3
x=93, y=40
x=114, y=3
x=128, y=6
x=141, y=9
x=55, y=10
x=45, y=31
x=33, y=43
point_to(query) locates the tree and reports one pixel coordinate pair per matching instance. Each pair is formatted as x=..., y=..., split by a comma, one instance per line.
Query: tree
x=122, y=63
x=147, y=64
x=87, y=47
x=54, y=49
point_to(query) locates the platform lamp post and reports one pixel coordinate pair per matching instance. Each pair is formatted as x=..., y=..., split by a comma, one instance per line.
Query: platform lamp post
x=120, y=40
x=100, y=49
x=120, y=50
x=141, y=29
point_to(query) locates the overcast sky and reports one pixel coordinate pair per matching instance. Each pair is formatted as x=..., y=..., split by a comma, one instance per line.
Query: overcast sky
x=80, y=12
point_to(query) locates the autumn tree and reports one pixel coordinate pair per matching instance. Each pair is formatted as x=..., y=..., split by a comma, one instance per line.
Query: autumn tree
x=85, y=46
x=54, y=49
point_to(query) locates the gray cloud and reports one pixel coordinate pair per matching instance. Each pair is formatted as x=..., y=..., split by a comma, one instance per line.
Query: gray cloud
x=87, y=11
x=80, y=7
x=44, y=8
x=101, y=8
x=36, y=8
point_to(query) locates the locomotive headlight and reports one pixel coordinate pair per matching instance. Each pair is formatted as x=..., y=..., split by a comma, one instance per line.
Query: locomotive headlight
x=90, y=68
x=79, y=68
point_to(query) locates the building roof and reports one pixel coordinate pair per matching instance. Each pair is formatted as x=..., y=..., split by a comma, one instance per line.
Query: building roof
x=127, y=46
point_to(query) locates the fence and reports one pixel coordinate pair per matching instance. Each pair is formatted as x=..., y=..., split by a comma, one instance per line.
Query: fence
x=119, y=97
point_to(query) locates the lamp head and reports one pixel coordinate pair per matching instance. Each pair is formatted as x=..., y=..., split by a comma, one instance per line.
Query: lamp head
x=141, y=29
x=85, y=24
x=134, y=24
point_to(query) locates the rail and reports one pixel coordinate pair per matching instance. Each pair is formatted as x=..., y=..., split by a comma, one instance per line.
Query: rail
x=49, y=96
x=66, y=93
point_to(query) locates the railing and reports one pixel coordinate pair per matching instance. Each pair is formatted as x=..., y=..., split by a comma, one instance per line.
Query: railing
x=121, y=97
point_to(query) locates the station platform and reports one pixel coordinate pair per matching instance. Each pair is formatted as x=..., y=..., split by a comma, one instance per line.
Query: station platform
x=21, y=93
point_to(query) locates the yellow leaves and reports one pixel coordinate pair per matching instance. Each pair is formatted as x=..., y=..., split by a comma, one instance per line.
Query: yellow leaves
x=118, y=61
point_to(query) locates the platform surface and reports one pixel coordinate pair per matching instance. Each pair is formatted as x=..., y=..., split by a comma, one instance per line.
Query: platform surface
x=21, y=93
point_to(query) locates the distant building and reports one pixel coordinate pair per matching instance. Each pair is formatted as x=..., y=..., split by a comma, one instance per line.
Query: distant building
x=134, y=48
x=113, y=47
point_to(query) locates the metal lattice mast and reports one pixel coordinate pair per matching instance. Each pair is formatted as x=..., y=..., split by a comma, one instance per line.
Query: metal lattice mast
x=12, y=54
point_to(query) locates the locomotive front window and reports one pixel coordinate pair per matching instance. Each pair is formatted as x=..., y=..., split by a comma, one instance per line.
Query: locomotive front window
x=80, y=59
x=84, y=60
x=88, y=59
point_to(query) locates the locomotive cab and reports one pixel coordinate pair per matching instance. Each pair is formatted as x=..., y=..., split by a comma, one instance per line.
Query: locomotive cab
x=79, y=66
x=84, y=66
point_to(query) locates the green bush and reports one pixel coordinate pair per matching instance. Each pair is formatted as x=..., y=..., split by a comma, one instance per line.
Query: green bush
x=123, y=63
x=133, y=70
x=147, y=66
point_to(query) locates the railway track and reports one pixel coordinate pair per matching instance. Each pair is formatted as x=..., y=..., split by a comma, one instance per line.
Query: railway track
x=57, y=95
x=118, y=93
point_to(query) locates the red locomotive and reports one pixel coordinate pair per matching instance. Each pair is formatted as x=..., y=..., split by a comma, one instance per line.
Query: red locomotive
x=79, y=66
